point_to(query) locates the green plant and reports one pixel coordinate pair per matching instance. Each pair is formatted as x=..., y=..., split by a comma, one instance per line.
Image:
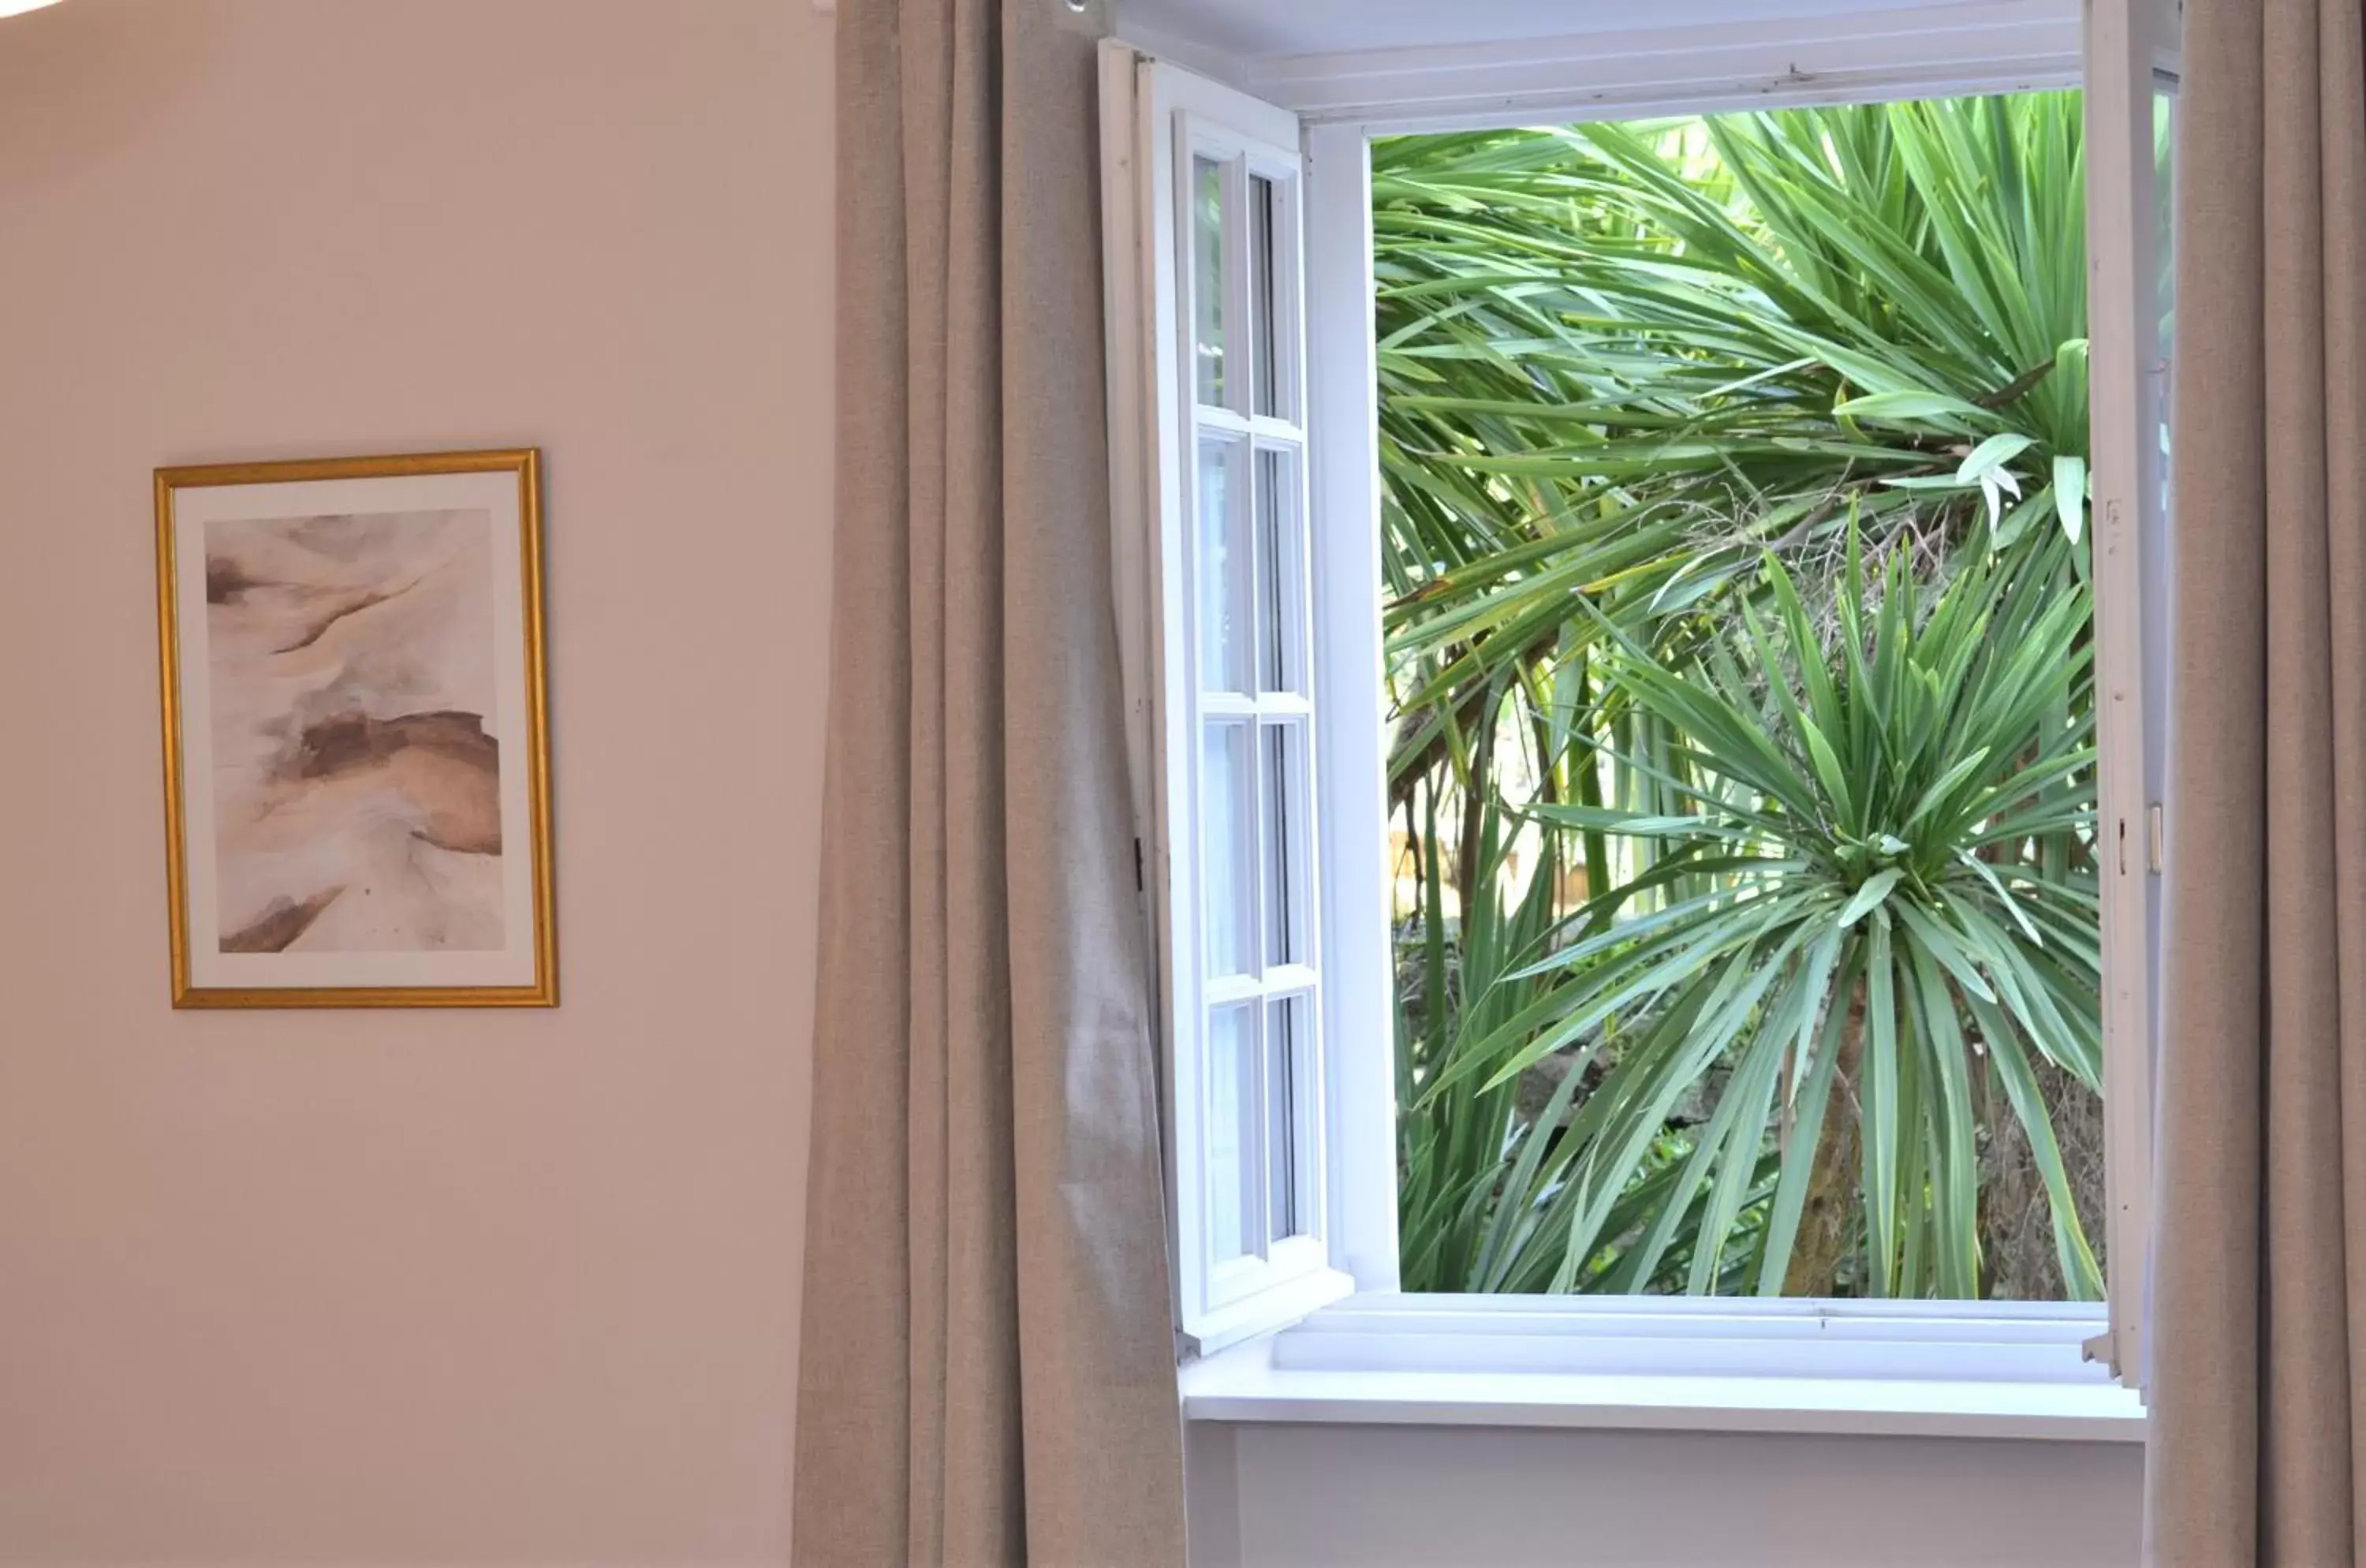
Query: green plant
x=1456, y=985
x=1484, y=1197
x=1869, y=920
x=1618, y=362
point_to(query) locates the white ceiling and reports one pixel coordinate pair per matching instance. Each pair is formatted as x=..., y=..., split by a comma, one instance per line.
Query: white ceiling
x=1250, y=28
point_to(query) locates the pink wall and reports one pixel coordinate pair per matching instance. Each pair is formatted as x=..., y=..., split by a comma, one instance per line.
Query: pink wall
x=405, y=1287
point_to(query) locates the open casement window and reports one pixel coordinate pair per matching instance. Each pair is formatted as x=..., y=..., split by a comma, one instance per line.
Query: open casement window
x=1224, y=661
x=2131, y=62
x=1245, y=492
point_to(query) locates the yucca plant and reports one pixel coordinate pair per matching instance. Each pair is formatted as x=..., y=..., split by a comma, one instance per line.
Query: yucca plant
x=1886, y=921
x=1616, y=362
x=1455, y=984
x=1484, y=1197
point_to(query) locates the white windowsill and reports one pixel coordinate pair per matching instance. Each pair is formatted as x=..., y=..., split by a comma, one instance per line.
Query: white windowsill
x=1758, y=1368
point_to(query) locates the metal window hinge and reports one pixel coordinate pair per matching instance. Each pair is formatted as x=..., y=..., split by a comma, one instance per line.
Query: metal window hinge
x=2156, y=840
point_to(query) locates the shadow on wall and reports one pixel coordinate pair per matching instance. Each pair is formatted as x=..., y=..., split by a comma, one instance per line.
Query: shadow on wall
x=120, y=62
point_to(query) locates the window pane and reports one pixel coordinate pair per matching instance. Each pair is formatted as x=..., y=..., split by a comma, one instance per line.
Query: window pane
x=2164, y=191
x=1228, y=826
x=1281, y=776
x=1224, y=565
x=2158, y=546
x=1279, y=620
x=1264, y=326
x=1286, y=1038
x=1232, y=1129
x=1208, y=278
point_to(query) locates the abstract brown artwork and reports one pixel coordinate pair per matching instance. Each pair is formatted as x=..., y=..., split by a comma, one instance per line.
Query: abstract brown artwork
x=357, y=807
x=356, y=790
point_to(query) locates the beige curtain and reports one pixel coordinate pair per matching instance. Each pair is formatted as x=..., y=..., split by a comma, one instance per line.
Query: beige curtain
x=987, y=1363
x=2260, y=1297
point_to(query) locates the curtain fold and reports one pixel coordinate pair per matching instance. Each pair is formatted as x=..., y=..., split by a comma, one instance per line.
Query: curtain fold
x=2260, y=1286
x=987, y=1371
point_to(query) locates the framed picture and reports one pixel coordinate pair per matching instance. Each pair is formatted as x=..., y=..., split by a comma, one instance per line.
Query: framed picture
x=356, y=754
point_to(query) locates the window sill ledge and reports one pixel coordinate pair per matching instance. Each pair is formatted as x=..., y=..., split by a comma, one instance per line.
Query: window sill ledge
x=1244, y=1385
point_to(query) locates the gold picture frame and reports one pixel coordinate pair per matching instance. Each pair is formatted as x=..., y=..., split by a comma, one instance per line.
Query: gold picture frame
x=310, y=616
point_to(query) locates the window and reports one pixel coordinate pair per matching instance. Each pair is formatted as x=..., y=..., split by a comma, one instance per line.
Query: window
x=1237, y=744
x=1248, y=510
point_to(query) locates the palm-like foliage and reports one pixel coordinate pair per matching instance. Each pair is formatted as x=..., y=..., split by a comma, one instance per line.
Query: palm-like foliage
x=1616, y=362
x=1863, y=921
x=1643, y=390
x=1454, y=1146
x=1484, y=1197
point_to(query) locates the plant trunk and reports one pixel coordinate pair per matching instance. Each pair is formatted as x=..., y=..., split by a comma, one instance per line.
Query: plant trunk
x=1824, y=1219
x=1470, y=884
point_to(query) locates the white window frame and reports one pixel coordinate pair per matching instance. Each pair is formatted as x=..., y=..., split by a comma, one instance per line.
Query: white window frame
x=1340, y=103
x=1170, y=119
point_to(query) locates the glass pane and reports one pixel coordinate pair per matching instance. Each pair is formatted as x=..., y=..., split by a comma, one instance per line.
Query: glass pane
x=2157, y=547
x=1286, y=1038
x=1264, y=326
x=1224, y=565
x=1228, y=826
x=1208, y=278
x=2164, y=193
x=1232, y=1129
x=1279, y=628
x=1281, y=776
